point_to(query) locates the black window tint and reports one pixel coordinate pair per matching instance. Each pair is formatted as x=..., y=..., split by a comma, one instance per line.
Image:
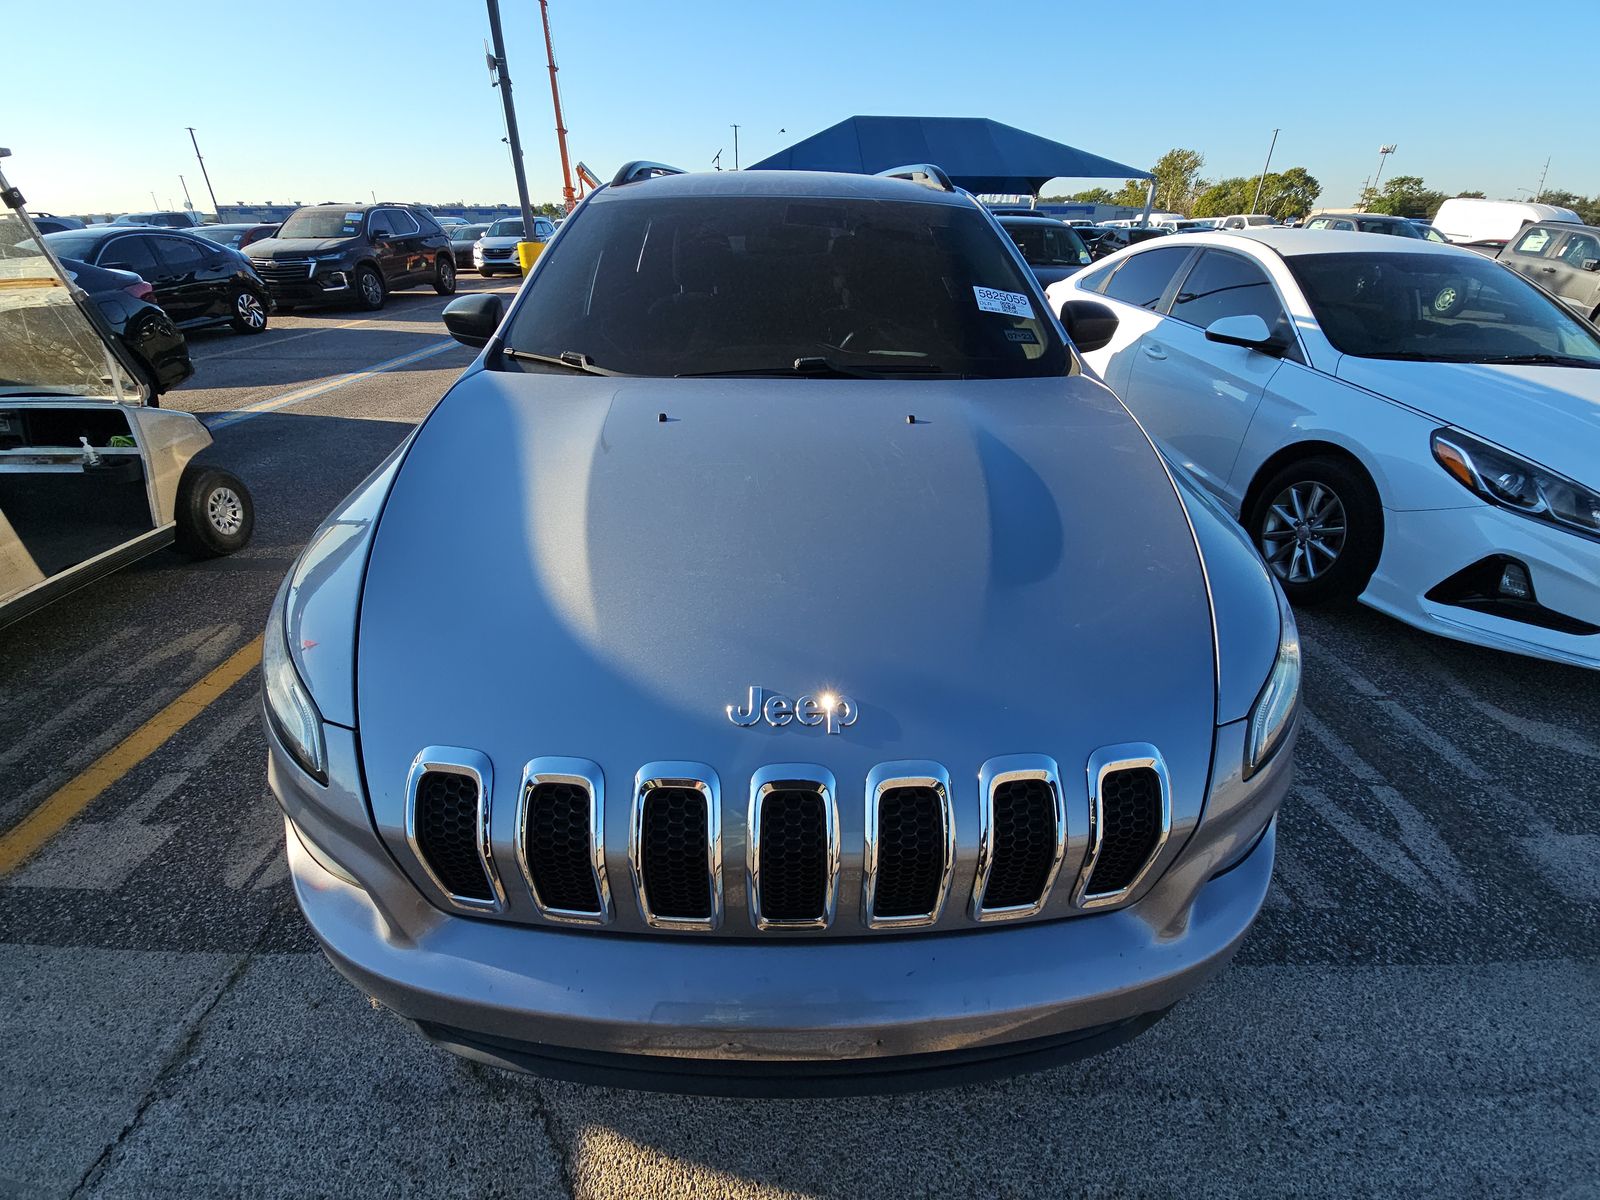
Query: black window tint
x=1095, y=281
x=1143, y=278
x=401, y=222
x=180, y=256
x=753, y=283
x=427, y=223
x=1227, y=285
x=131, y=254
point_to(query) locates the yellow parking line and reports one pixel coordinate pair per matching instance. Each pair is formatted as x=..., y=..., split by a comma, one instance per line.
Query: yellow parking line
x=43, y=823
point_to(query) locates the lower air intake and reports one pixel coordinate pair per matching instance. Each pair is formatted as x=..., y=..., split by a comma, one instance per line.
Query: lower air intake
x=447, y=832
x=1130, y=828
x=674, y=849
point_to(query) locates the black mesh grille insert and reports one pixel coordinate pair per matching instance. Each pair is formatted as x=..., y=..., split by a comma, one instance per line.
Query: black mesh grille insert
x=447, y=833
x=911, y=842
x=1130, y=824
x=558, y=847
x=794, y=855
x=672, y=851
x=1024, y=843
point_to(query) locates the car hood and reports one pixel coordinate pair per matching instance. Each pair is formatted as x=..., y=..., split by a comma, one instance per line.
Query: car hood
x=298, y=247
x=1548, y=414
x=597, y=567
x=499, y=243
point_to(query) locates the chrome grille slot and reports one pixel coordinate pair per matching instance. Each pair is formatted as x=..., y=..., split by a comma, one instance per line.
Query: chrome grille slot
x=792, y=867
x=447, y=825
x=910, y=845
x=675, y=847
x=1130, y=811
x=559, y=845
x=1024, y=837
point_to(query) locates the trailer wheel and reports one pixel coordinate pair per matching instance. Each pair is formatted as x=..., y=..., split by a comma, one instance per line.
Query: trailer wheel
x=215, y=512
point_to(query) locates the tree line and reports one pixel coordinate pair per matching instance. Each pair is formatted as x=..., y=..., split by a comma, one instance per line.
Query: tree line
x=1294, y=192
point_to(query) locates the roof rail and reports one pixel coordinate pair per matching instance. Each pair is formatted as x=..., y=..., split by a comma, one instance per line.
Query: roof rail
x=926, y=174
x=641, y=169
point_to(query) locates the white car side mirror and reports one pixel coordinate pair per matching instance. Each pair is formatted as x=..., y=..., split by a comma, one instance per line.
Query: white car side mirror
x=1247, y=330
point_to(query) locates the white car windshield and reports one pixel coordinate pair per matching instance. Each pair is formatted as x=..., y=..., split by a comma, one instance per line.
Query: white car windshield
x=771, y=285
x=506, y=227
x=1439, y=308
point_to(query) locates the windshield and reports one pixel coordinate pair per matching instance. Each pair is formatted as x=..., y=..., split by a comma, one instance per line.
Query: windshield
x=1397, y=228
x=228, y=235
x=71, y=244
x=506, y=227
x=745, y=284
x=322, y=223
x=1046, y=245
x=1439, y=308
x=46, y=343
x=466, y=233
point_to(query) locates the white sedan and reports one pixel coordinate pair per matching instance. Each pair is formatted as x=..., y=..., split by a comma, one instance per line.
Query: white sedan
x=1402, y=422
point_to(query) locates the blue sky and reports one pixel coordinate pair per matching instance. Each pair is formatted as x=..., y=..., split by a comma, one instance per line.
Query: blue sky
x=310, y=100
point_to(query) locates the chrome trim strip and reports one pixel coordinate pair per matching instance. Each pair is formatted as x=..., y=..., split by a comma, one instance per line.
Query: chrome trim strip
x=456, y=760
x=1103, y=762
x=912, y=773
x=800, y=777
x=678, y=775
x=991, y=775
x=579, y=772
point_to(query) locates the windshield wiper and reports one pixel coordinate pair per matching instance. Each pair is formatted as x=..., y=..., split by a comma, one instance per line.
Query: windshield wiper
x=818, y=367
x=1551, y=360
x=571, y=359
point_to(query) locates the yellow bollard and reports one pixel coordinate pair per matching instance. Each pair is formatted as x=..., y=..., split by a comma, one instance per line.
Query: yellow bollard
x=528, y=253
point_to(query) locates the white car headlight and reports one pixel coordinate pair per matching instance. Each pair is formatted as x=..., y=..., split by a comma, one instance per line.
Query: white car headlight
x=1503, y=478
x=289, y=706
x=1274, y=710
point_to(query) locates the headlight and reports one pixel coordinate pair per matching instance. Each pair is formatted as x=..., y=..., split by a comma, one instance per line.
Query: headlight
x=1275, y=707
x=294, y=717
x=1511, y=482
x=331, y=256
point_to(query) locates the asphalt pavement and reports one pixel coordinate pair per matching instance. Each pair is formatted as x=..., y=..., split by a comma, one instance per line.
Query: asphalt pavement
x=1415, y=1012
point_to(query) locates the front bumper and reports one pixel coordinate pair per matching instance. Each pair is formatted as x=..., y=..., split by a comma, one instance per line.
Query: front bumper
x=1422, y=548
x=756, y=1017
x=329, y=283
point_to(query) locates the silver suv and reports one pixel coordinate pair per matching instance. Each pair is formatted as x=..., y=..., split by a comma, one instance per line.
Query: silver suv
x=776, y=667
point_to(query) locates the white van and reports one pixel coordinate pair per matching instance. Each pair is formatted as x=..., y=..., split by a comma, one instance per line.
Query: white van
x=1468, y=220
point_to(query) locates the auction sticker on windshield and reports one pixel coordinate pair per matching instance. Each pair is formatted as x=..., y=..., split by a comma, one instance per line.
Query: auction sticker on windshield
x=1012, y=304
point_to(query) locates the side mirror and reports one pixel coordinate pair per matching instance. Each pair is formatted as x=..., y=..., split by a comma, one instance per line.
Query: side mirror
x=1090, y=324
x=1591, y=264
x=1247, y=330
x=472, y=320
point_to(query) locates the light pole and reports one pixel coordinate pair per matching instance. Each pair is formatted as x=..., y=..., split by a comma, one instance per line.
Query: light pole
x=502, y=79
x=204, y=174
x=187, y=203
x=735, y=147
x=1255, y=205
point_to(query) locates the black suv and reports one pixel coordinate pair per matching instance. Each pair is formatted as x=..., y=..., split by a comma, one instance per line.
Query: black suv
x=354, y=253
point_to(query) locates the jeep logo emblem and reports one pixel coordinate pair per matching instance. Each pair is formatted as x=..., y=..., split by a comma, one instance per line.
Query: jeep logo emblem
x=833, y=709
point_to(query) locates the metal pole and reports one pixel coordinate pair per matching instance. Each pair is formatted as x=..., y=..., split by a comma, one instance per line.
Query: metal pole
x=1255, y=205
x=568, y=196
x=503, y=80
x=206, y=176
x=735, y=147
x=1539, y=195
x=1383, y=154
x=187, y=202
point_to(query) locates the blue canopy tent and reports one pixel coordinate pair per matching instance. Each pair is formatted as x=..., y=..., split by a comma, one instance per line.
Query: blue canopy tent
x=978, y=154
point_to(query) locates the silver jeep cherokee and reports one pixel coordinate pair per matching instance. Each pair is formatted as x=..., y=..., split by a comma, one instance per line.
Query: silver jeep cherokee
x=777, y=667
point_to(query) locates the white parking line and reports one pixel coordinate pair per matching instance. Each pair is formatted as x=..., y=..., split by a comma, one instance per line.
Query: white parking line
x=295, y=397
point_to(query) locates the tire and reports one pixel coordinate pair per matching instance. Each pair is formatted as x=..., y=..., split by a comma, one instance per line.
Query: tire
x=1318, y=523
x=369, y=289
x=444, y=275
x=485, y=272
x=249, y=313
x=216, y=514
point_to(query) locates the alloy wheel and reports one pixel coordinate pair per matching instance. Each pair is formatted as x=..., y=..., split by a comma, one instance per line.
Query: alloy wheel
x=225, y=511
x=371, y=288
x=1304, y=532
x=250, y=310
